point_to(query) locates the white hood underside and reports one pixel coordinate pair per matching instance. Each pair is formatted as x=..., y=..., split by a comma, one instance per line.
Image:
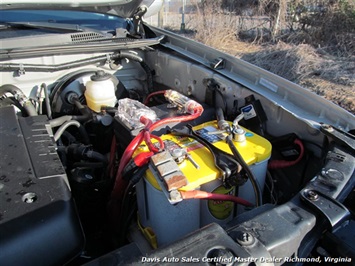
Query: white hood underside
x=122, y=8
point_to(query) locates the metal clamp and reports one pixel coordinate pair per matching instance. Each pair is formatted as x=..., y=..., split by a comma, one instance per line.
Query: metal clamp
x=335, y=212
x=21, y=71
x=168, y=175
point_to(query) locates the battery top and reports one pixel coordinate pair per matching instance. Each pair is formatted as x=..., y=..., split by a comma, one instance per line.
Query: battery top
x=199, y=166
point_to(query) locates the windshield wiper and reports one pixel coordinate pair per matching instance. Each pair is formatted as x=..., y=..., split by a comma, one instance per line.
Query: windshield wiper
x=66, y=27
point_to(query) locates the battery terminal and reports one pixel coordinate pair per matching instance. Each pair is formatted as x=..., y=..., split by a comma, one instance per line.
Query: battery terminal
x=180, y=155
x=237, y=131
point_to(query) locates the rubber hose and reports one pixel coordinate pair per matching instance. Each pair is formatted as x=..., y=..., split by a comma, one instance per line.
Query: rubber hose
x=20, y=97
x=56, y=122
x=97, y=156
x=46, y=99
x=67, y=124
x=63, y=127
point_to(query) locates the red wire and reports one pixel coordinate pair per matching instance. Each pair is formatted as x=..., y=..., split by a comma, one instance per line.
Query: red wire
x=275, y=164
x=146, y=101
x=147, y=138
x=199, y=194
x=146, y=121
x=121, y=184
x=149, y=127
x=127, y=155
x=184, y=118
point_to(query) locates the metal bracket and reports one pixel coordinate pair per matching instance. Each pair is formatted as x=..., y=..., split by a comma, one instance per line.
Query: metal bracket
x=335, y=212
x=137, y=18
x=168, y=175
x=173, y=196
x=21, y=71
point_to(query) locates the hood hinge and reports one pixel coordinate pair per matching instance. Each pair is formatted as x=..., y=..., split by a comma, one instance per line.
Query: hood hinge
x=137, y=20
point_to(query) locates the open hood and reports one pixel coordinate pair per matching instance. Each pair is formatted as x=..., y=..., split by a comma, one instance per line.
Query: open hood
x=122, y=8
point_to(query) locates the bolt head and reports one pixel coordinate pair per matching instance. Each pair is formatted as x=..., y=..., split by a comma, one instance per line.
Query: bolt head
x=245, y=239
x=329, y=128
x=312, y=195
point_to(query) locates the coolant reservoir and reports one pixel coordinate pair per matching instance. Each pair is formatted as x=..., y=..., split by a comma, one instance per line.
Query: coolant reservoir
x=100, y=91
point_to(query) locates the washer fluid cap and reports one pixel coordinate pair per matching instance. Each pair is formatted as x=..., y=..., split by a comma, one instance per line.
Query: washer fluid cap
x=100, y=75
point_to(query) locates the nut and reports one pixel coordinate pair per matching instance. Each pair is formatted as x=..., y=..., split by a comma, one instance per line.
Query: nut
x=312, y=195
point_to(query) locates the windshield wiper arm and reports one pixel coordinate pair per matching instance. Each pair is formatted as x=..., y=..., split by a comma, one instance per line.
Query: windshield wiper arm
x=56, y=26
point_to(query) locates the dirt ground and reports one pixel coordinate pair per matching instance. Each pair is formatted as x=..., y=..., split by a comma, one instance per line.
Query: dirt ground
x=330, y=77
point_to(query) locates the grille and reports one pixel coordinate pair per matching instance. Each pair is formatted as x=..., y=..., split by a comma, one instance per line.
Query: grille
x=86, y=36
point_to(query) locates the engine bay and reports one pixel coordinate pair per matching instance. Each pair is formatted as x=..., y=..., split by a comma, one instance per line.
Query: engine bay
x=146, y=146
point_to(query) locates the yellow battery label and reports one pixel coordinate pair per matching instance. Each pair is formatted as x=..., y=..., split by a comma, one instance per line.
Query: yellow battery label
x=221, y=209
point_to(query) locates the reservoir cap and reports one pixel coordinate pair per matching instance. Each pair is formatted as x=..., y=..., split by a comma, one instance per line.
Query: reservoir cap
x=100, y=76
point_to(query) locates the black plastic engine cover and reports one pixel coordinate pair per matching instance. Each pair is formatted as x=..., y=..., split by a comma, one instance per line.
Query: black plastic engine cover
x=38, y=220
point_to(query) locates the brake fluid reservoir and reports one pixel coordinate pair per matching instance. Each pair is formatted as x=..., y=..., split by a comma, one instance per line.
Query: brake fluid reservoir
x=170, y=222
x=100, y=91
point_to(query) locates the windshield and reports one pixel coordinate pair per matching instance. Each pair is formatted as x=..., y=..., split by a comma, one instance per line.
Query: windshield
x=80, y=20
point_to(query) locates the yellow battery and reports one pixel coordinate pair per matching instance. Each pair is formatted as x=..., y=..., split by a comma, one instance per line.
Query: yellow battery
x=170, y=222
x=254, y=150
